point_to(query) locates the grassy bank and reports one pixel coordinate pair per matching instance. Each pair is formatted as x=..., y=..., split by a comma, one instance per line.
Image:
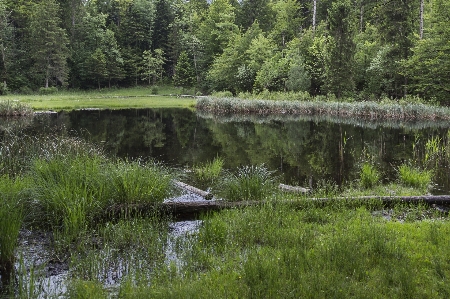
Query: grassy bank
x=139, y=97
x=387, y=109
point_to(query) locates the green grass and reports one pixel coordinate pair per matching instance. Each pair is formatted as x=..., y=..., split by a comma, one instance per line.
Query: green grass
x=317, y=252
x=14, y=108
x=207, y=174
x=12, y=199
x=414, y=177
x=369, y=176
x=138, y=97
x=249, y=183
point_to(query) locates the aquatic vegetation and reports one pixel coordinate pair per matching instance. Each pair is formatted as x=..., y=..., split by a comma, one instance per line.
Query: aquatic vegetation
x=332, y=250
x=364, y=110
x=12, y=200
x=208, y=172
x=414, y=177
x=369, y=176
x=249, y=183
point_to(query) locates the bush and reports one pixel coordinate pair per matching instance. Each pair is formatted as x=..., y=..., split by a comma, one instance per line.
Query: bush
x=154, y=89
x=222, y=94
x=48, y=90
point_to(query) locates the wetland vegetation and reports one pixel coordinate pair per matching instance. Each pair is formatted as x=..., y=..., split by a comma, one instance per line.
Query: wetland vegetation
x=59, y=187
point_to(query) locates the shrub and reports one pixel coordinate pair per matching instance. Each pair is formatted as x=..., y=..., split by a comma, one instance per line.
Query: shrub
x=369, y=176
x=48, y=90
x=155, y=89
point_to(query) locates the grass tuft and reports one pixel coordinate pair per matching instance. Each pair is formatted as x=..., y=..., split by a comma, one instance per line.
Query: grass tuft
x=369, y=176
x=414, y=177
x=249, y=183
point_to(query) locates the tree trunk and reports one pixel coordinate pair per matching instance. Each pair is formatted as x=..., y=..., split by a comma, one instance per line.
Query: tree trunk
x=314, y=14
x=422, y=4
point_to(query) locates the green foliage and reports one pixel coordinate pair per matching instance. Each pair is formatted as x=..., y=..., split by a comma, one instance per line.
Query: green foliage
x=12, y=202
x=249, y=183
x=414, y=177
x=48, y=90
x=184, y=72
x=266, y=251
x=209, y=172
x=369, y=176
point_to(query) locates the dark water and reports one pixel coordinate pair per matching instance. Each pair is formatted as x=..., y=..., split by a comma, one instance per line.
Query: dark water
x=302, y=151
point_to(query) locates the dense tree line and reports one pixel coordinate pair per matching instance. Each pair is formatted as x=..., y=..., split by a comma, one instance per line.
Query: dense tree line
x=361, y=48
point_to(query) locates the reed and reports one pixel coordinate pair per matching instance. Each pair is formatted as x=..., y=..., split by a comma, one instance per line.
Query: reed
x=365, y=110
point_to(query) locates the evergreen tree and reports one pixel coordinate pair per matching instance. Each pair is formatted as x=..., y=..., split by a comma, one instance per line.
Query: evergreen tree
x=48, y=42
x=184, y=72
x=341, y=48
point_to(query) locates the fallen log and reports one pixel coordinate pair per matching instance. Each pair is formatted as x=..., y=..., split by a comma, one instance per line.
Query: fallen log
x=191, y=210
x=192, y=189
x=295, y=189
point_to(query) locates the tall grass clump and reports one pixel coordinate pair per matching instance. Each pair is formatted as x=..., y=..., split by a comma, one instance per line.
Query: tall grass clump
x=15, y=108
x=414, y=177
x=249, y=183
x=139, y=182
x=369, y=176
x=68, y=189
x=209, y=172
x=11, y=219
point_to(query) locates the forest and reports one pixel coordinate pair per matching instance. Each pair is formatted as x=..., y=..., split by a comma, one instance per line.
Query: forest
x=363, y=49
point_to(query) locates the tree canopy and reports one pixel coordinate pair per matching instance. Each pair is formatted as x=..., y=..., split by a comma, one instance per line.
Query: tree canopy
x=366, y=49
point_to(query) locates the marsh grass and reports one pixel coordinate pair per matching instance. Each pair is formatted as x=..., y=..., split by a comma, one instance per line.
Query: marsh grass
x=12, y=200
x=369, y=176
x=317, y=252
x=317, y=106
x=140, y=182
x=15, y=108
x=414, y=177
x=249, y=183
x=208, y=173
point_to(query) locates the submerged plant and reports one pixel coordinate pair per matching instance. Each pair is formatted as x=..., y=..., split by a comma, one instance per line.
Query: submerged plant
x=369, y=176
x=414, y=177
x=250, y=183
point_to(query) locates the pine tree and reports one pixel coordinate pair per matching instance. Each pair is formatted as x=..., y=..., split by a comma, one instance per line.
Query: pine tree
x=48, y=43
x=184, y=72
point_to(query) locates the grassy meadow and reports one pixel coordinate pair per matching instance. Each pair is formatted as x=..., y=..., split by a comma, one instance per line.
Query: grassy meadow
x=138, y=97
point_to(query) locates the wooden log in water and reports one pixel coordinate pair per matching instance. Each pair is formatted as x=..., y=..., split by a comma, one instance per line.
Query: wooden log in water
x=295, y=189
x=192, y=189
x=191, y=210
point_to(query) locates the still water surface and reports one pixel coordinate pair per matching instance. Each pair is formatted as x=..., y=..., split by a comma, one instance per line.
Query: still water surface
x=303, y=151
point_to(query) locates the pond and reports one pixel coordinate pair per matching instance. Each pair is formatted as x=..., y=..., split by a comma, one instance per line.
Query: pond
x=301, y=151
